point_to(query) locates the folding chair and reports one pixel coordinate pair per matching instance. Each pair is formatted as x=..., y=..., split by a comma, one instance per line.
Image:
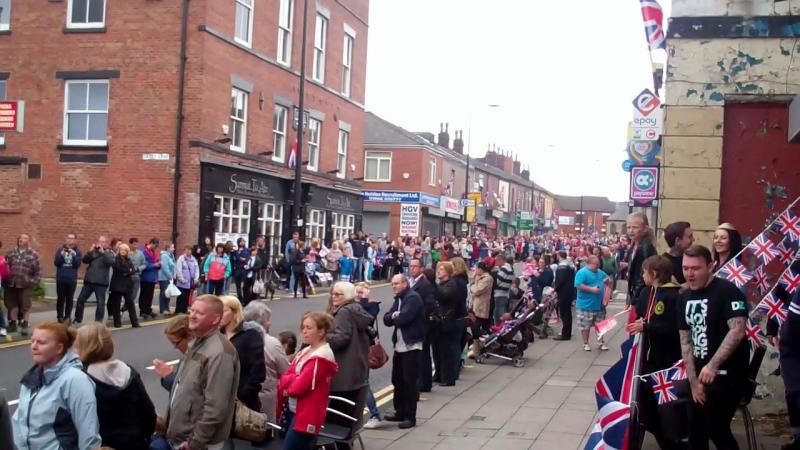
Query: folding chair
x=337, y=434
x=749, y=425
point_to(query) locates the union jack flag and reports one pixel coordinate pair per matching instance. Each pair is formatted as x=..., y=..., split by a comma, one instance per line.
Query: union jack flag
x=790, y=225
x=610, y=432
x=736, y=273
x=663, y=386
x=653, y=18
x=754, y=333
x=790, y=280
x=762, y=284
x=680, y=371
x=763, y=248
x=293, y=156
x=786, y=252
x=774, y=308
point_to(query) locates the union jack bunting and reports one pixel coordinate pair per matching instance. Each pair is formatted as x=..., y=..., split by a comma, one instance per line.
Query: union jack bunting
x=293, y=156
x=617, y=382
x=774, y=308
x=754, y=333
x=790, y=280
x=789, y=225
x=663, y=386
x=653, y=18
x=762, y=284
x=680, y=371
x=786, y=252
x=736, y=273
x=763, y=248
x=611, y=430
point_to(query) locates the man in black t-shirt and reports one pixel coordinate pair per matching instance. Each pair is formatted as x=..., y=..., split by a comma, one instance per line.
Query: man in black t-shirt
x=712, y=325
x=679, y=237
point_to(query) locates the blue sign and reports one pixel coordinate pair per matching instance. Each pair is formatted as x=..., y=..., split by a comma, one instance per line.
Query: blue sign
x=430, y=200
x=626, y=165
x=392, y=196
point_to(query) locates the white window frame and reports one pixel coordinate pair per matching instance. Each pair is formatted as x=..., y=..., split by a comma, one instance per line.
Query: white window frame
x=271, y=226
x=320, y=45
x=279, y=133
x=3, y=94
x=347, y=62
x=234, y=212
x=285, y=25
x=5, y=26
x=87, y=24
x=432, y=172
x=341, y=153
x=87, y=142
x=315, y=225
x=314, y=139
x=379, y=158
x=250, y=9
x=236, y=96
x=342, y=225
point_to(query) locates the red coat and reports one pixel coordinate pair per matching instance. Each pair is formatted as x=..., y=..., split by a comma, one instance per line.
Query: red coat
x=310, y=387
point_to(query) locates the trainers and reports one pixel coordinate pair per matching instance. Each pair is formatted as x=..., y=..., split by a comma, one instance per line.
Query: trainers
x=372, y=423
x=23, y=328
x=3, y=332
x=587, y=348
x=603, y=347
x=12, y=326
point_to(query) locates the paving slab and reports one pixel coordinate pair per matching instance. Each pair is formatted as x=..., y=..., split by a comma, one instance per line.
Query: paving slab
x=507, y=444
x=572, y=421
x=459, y=443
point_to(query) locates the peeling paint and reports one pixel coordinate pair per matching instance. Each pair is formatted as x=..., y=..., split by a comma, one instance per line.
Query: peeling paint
x=750, y=59
x=709, y=86
x=691, y=92
x=785, y=51
x=716, y=96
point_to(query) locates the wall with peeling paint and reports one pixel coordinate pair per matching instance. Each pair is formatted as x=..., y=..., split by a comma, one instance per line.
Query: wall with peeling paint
x=697, y=8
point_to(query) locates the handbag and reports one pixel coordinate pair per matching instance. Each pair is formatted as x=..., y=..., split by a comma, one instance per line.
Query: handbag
x=377, y=355
x=258, y=287
x=248, y=424
x=172, y=290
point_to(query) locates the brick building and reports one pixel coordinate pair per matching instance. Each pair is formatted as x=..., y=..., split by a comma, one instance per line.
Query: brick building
x=122, y=138
x=583, y=214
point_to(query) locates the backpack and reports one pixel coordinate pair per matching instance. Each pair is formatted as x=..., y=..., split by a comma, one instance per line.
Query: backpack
x=216, y=270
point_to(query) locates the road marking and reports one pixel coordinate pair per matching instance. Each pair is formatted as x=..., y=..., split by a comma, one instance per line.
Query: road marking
x=169, y=363
x=124, y=327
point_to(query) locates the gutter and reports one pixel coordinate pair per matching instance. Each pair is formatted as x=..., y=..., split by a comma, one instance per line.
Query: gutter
x=180, y=118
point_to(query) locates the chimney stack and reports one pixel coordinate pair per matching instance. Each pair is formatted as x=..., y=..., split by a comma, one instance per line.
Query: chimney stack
x=444, y=135
x=458, y=142
x=517, y=167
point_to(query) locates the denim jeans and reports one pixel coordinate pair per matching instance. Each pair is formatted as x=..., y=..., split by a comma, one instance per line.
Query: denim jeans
x=367, y=270
x=3, y=323
x=99, y=292
x=372, y=405
x=296, y=440
x=163, y=300
x=358, y=265
x=292, y=281
x=500, y=308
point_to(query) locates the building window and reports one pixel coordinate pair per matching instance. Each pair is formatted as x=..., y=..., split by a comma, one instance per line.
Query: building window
x=432, y=172
x=314, y=132
x=320, y=42
x=238, y=120
x=279, y=133
x=244, y=22
x=315, y=225
x=270, y=223
x=86, y=112
x=347, y=63
x=86, y=14
x=5, y=15
x=343, y=225
x=2, y=97
x=231, y=219
x=285, y=19
x=341, y=154
x=377, y=166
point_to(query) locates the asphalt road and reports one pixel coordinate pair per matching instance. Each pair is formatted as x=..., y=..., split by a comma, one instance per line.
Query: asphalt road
x=138, y=347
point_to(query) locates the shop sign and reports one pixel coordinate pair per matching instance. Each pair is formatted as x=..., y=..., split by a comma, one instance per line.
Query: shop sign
x=335, y=200
x=228, y=181
x=451, y=205
x=648, y=117
x=524, y=220
x=497, y=214
x=409, y=219
x=12, y=116
x=393, y=196
x=644, y=185
x=430, y=200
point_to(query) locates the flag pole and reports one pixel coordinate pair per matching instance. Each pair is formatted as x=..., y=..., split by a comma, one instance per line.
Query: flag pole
x=635, y=430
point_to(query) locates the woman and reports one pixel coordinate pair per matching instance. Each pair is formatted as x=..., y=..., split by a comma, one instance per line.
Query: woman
x=217, y=269
x=276, y=361
x=252, y=267
x=546, y=277
x=369, y=265
x=121, y=286
x=332, y=260
x=126, y=413
x=306, y=384
x=299, y=267
x=149, y=278
x=178, y=334
x=446, y=344
x=657, y=308
x=373, y=309
x=238, y=259
x=166, y=275
x=391, y=261
x=188, y=275
x=460, y=273
x=52, y=392
x=727, y=244
x=349, y=341
x=249, y=346
x=425, y=247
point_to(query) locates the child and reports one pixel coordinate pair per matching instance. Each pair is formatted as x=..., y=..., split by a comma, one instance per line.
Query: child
x=345, y=266
x=514, y=294
x=289, y=342
x=529, y=268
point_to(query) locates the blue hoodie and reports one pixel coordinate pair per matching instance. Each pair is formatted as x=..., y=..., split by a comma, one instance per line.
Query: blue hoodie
x=67, y=267
x=57, y=409
x=167, y=270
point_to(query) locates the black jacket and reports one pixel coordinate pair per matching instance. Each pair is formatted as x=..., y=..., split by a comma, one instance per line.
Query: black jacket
x=411, y=320
x=99, y=262
x=661, y=340
x=564, y=283
x=126, y=414
x=462, y=282
x=448, y=295
x=644, y=250
x=298, y=261
x=425, y=290
x=249, y=345
x=121, y=280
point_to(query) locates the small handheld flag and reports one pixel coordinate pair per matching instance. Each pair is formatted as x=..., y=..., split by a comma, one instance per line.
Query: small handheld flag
x=663, y=387
x=763, y=248
x=774, y=308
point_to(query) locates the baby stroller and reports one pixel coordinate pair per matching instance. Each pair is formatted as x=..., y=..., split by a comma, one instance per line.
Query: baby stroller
x=509, y=343
x=545, y=311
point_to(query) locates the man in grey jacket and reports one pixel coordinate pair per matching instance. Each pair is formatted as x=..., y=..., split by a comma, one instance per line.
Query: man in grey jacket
x=99, y=258
x=137, y=259
x=201, y=408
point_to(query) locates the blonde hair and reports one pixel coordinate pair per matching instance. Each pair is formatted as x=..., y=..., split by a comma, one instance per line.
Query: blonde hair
x=236, y=307
x=178, y=326
x=123, y=246
x=322, y=320
x=459, y=265
x=447, y=266
x=94, y=343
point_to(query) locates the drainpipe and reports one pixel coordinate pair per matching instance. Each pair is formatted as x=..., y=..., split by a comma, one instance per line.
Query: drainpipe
x=179, y=122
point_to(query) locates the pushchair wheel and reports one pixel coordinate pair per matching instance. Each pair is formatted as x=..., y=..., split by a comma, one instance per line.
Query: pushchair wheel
x=479, y=358
x=518, y=361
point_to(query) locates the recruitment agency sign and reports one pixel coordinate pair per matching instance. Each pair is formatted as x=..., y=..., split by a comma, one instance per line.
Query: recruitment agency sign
x=644, y=185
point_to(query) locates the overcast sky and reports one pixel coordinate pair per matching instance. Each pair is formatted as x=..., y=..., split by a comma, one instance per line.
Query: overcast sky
x=563, y=73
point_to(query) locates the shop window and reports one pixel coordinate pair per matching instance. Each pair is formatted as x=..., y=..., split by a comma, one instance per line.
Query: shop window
x=315, y=224
x=231, y=219
x=343, y=225
x=270, y=224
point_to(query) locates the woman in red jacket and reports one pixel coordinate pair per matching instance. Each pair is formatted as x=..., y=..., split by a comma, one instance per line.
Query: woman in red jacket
x=305, y=386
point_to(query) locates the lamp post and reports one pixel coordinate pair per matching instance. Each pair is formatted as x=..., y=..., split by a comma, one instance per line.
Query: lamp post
x=297, y=208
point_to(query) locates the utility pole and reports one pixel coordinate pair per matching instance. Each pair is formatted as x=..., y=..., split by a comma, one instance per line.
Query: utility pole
x=298, y=162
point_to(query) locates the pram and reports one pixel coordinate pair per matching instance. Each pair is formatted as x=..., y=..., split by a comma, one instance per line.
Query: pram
x=510, y=342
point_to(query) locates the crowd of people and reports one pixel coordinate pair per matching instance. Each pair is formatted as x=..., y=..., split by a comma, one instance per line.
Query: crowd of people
x=448, y=292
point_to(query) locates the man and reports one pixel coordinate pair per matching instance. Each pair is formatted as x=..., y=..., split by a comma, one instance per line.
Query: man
x=564, y=286
x=504, y=278
x=589, y=282
x=287, y=255
x=679, y=237
x=25, y=273
x=712, y=326
x=260, y=316
x=422, y=286
x=641, y=249
x=407, y=316
x=67, y=261
x=262, y=251
x=95, y=281
x=139, y=263
x=201, y=406
x=359, y=255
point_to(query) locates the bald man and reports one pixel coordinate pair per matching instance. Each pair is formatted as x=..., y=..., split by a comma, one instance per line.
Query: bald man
x=590, y=283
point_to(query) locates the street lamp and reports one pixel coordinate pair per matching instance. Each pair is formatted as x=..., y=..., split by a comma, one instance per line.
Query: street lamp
x=297, y=209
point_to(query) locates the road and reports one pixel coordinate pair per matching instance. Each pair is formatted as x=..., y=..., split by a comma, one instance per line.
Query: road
x=138, y=347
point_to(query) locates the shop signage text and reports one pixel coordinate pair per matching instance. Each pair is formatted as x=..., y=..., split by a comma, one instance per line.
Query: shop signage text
x=451, y=205
x=430, y=200
x=644, y=185
x=409, y=219
x=244, y=185
x=12, y=116
x=391, y=196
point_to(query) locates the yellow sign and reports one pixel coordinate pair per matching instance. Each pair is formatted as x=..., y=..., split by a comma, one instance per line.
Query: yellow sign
x=470, y=214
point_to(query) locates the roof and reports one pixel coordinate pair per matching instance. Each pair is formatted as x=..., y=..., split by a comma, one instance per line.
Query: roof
x=378, y=131
x=589, y=203
x=620, y=214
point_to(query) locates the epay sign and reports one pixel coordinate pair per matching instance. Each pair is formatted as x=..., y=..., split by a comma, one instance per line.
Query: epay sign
x=644, y=185
x=646, y=102
x=647, y=117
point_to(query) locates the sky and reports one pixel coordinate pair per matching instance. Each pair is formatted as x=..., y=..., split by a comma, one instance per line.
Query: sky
x=563, y=74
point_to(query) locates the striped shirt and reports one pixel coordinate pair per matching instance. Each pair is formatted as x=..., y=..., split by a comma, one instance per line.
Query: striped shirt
x=505, y=276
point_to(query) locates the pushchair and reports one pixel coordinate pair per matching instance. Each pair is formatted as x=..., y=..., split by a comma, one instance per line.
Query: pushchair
x=545, y=313
x=511, y=340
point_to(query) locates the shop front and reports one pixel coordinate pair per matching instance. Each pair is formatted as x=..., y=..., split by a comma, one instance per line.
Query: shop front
x=238, y=203
x=331, y=214
x=451, y=223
